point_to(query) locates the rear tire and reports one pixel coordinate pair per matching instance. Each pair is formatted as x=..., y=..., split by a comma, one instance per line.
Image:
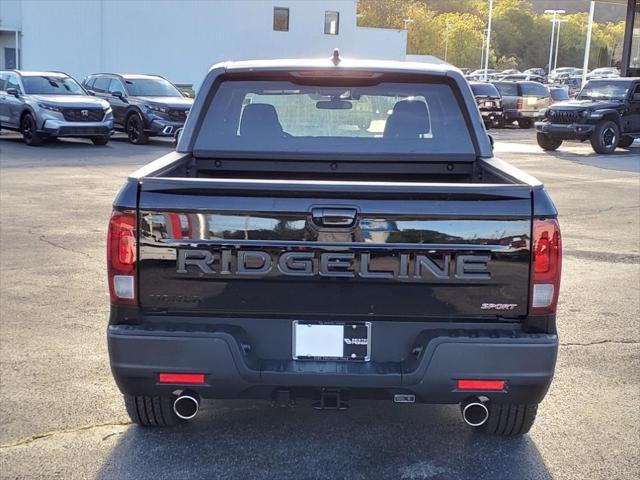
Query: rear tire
x=547, y=142
x=101, y=140
x=28, y=128
x=135, y=130
x=151, y=411
x=625, y=141
x=509, y=420
x=525, y=123
x=606, y=137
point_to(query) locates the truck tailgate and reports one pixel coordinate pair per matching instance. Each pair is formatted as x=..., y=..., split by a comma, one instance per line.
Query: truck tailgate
x=334, y=250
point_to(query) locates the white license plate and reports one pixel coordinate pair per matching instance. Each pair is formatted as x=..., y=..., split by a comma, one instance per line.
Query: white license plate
x=488, y=104
x=345, y=341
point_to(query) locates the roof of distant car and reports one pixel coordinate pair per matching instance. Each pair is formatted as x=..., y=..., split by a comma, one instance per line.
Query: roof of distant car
x=30, y=73
x=128, y=76
x=614, y=79
x=137, y=76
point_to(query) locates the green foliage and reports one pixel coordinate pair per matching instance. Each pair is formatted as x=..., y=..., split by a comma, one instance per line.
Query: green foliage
x=519, y=37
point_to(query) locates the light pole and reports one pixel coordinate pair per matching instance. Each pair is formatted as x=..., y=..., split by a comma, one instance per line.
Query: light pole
x=484, y=38
x=555, y=61
x=587, y=47
x=553, y=26
x=446, y=41
x=486, y=56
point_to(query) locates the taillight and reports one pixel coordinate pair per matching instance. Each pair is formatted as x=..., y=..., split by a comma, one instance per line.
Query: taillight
x=121, y=256
x=546, y=263
x=519, y=104
x=493, y=385
x=192, y=378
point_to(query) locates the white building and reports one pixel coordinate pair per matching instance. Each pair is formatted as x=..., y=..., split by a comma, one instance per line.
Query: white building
x=181, y=39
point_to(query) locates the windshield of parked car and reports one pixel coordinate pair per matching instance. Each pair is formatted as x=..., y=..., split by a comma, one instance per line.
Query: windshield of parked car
x=51, y=85
x=604, y=91
x=282, y=117
x=151, y=87
x=484, y=89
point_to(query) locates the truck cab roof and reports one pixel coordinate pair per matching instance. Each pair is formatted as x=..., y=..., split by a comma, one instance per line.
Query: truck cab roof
x=389, y=66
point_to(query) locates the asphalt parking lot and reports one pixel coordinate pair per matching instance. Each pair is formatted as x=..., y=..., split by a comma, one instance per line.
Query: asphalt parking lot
x=62, y=416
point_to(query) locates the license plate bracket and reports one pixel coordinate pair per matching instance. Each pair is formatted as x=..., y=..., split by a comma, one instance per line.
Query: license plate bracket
x=342, y=341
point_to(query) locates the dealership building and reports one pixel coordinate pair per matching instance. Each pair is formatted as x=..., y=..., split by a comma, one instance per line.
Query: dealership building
x=181, y=39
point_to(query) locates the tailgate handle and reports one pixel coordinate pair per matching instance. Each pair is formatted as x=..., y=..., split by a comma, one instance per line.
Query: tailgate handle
x=334, y=217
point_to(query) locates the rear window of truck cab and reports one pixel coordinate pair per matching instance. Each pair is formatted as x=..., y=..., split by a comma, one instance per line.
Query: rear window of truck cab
x=484, y=89
x=272, y=117
x=534, y=89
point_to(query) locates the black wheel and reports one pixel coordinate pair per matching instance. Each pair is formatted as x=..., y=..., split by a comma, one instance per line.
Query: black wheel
x=525, y=123
x=547, y=142
x=487, y=125
x=151, y=411
x=605, y=137
x=500, y=123
x=625, y=141
x=29, y=133
x=100, y=140
x=509, y=419
x=135, y=130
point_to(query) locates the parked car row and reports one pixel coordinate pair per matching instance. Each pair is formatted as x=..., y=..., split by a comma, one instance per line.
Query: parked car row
x=42, y=105
x=558, y=75
x=504, y=102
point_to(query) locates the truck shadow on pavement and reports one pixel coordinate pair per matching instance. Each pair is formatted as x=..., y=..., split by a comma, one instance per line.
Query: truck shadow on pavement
x=372, y=440
x=621, y=160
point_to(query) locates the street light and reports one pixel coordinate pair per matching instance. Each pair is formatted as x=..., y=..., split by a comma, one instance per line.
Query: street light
x=555, y=61
x=486, y=58
x=446, y=40
x=587, y=47
x=553, y=26
x=484, y=39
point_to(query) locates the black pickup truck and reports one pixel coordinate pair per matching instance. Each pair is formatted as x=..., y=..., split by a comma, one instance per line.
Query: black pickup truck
x=284, y=253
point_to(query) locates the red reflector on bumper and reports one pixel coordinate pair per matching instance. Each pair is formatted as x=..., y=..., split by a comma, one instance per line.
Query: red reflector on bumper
x=192, y=378
x=480, y=384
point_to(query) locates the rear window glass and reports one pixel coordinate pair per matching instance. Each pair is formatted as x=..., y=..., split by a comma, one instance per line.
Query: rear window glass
x=484, y=89
x=534, y=88
x=507, y=89
x=559, y=94
x=282, y=117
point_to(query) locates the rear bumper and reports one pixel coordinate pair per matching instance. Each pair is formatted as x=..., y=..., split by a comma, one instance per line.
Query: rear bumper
x=516, y=114
x=573, y=131
x=430, y=370
x=492, y=116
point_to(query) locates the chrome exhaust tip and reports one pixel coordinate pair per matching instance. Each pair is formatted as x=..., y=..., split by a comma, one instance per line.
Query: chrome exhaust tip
x=474, y=412
x=186, y=406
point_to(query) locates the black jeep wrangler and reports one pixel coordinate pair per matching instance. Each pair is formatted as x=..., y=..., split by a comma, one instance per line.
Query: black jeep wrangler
x=606, y=112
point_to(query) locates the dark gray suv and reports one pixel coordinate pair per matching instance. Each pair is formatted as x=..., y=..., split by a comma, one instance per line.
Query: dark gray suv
x=143, y=105
x=51, y=104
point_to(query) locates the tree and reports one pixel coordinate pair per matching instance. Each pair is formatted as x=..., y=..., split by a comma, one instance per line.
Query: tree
x=519, y=36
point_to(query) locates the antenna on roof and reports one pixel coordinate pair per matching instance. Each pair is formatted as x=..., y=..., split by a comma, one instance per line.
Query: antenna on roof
x=335, y=59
